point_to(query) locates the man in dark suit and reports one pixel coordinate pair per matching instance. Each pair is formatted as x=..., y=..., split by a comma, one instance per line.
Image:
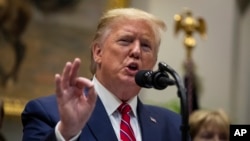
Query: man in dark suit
x=127, y=40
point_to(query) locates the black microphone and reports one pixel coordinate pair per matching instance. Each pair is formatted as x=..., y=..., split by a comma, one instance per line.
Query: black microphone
x=150, y=79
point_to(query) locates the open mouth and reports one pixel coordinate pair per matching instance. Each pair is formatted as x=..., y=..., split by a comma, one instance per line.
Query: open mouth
x=133, y=67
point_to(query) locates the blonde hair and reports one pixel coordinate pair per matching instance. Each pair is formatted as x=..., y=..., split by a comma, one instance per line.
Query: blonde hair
x=201, y=118
x=114, y=15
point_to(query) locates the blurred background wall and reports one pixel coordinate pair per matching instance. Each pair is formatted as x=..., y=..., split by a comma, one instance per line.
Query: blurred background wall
x=222, y=60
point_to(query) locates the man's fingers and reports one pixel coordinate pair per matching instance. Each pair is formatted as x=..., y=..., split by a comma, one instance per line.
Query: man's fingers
x=87, y=87
x=65, y=82
x=74, y=71
x=58, y=84
x=82, y=82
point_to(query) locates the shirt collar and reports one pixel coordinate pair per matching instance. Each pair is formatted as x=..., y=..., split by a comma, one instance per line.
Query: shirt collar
x=110, y=101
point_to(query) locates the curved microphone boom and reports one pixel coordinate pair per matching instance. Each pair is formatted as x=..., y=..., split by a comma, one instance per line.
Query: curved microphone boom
x=160, y=80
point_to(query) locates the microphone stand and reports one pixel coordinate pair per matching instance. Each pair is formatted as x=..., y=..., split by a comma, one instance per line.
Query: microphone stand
x=183, y=98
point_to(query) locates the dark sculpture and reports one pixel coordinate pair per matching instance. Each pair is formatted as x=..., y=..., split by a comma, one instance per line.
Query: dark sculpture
x=14, y=18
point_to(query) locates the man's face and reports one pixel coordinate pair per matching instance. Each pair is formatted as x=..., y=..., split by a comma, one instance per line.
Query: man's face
x=129, y=46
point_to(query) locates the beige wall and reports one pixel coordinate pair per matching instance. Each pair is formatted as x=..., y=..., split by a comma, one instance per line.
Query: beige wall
x=221, y=60
x=241, y=93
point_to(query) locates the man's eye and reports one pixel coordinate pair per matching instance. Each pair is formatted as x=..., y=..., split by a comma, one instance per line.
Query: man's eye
x=146, y=47
x=124, y=42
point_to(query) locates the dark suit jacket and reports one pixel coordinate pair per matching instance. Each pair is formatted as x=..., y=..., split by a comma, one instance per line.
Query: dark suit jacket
x=40, y=117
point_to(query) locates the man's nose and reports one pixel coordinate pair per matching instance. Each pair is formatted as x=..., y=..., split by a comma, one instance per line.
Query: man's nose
x=136, y=50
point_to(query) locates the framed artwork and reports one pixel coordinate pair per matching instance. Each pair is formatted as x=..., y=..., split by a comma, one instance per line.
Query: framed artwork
x=52, y=33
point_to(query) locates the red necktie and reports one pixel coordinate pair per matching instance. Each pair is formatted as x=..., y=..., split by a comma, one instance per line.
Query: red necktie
x=126, y=131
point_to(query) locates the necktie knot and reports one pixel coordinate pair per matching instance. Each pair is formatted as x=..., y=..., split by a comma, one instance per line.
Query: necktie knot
x=124, y=108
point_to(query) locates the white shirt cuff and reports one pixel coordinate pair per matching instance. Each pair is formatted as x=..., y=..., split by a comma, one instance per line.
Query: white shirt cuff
x=59, y=136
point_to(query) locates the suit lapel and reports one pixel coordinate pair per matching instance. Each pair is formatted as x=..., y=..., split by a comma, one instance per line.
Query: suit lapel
x=149, y=124
x=100, y=124
x=101, y=127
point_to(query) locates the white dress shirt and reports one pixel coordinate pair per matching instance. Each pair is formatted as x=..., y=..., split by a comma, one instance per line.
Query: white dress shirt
x=111, y=103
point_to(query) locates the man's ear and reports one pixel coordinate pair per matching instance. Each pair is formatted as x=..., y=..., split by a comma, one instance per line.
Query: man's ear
x=97, y=53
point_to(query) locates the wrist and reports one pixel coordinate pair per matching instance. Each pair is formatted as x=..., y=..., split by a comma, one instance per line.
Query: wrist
x=67, y=132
